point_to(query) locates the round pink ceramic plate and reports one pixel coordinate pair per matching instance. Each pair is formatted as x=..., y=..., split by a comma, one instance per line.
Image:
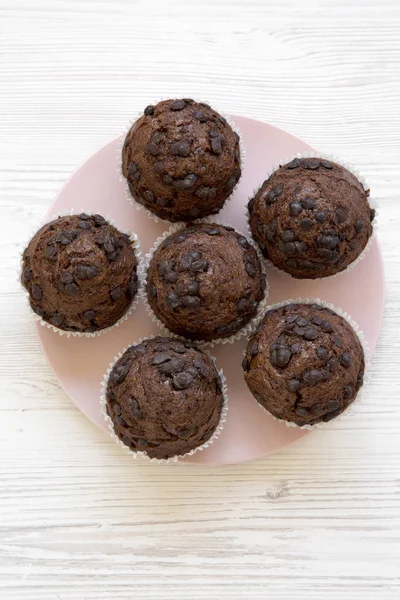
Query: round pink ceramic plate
x=79, y=363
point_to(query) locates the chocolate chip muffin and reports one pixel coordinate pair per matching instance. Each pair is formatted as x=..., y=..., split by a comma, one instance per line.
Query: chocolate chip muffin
x=205, y=282
x=80, y=273
x=311, y=218
x=164, y=397
x=181, y=160
x=304, y=364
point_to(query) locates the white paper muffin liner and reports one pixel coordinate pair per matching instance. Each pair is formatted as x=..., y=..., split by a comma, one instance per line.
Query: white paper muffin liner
x=144, y=455
x=367, y=358
x=350, y=167
x=245, y=330
x=136, y=245
x=123, y=180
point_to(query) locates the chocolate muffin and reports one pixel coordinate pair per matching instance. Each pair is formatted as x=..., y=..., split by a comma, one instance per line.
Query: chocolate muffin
x=205, y=281
x=164, y=397
x=304, y=364
x=80, y=273
x=311, y=218
x=181, y=160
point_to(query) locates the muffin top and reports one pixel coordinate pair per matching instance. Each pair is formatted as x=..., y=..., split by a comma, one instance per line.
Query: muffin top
x=181, y=160
x=311, y=218
x=304, y=364
x=80, y=273
x=164, y=397
x=205, y=281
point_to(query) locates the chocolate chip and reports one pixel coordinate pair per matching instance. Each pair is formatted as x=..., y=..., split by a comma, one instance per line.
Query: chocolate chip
x=166, y=179
x=302, y=321
x=306, y=224
x=316, y=320
x=185, y=263
x=245, y=364
x=89, y=315
x=178, y=347
x=308, y=203
x=269, y=197
x=341, y=215
x=152, y=149
x=164, y=266
x=337, y=341
x=326, y=164
x=345, y=360
x=278, y=190
x=202, y=367
x=133, y=168
x=177, y=105
x=160, y=357
x=312, y=164
x=173, y=300
x=71, y=289
x=321, y=216
x=242, y=241
x=326, y=326
x=152, y=291
x=149, y=110
x=186, y=184
x=84, y=225
x=333, y=365
x=310, y=333
x=159, y=167
x=329, y=255
x=143, y=443
x=116, y=293
x=280, y=357
x=295, y=348
x=250, y=268
x=290, y=248
x=216, y=145
x=200, y=116
x=359, y=225
x=50, y=252
x=199, y=265
x=148, y=196
x=347, y=392
x=172, y=366
x=295, y=208
x=56, y=319
x=312, y=377
x=84, y=217
x=231, y=182
x=134, y=408
x=181, y=148
x=192, y=287
x=293, y=385
x=293, y=164
x=263, y=282
x=182, y=381
x=206, y=192
x=86, y=271
x=372, y=214
x=191, y=301
x=353, y=244
x=250, y=204
x=328, y=241
x=27, y=274
x=287, y=235
x=333, y=405
x=181, y=237
x=99, y=220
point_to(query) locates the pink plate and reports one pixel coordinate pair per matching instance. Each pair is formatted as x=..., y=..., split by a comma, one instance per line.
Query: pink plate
x=79, y=363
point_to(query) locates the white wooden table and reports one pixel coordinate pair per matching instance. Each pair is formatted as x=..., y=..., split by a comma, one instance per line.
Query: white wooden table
x=78, y=520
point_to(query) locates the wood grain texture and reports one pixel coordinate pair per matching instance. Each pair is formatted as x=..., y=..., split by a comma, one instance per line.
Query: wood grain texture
x=79, y=519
